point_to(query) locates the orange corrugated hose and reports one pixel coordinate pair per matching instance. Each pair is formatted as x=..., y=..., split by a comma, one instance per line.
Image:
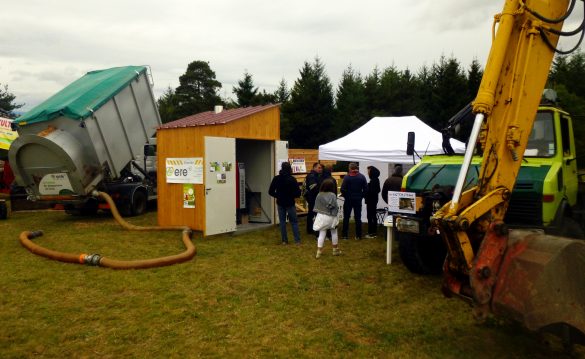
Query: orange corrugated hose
x=97, y=260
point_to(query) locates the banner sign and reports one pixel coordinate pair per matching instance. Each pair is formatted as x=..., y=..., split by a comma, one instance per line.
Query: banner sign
x=184, y=170
x=6, y=133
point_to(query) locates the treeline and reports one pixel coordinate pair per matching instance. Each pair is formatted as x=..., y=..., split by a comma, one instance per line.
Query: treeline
x=315, y=112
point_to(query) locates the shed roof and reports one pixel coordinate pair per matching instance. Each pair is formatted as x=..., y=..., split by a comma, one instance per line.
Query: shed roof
x=212, y=118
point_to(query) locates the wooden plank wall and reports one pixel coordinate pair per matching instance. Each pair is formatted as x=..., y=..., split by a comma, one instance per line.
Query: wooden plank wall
x=190, y=142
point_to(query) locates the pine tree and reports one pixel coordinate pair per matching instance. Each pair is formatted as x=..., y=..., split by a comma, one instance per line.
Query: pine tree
x=372, y=92
x=350, y=103
x=310, y=110
x=198, y=90
x=167, y=106
x=449, y=91
x=246, y=92
x=7, y=104
x=567, y=69
x=474, y=75
x=282, y=94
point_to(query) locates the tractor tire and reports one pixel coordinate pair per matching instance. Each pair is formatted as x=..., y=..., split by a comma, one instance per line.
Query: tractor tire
x=422, y=254
x=571, y=229
x=3, y=210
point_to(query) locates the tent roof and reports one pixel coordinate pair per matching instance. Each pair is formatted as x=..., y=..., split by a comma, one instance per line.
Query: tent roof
x=383, y=139
x=83, y=96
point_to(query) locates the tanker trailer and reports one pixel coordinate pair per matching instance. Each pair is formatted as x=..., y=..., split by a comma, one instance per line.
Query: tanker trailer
x=95, y=134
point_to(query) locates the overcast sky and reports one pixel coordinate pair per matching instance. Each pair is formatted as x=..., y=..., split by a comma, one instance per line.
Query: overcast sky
x=45, y=45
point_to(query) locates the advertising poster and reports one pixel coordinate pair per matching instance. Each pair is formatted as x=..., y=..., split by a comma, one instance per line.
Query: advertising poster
x=6, y=133
x=184, y=170
x=298, y=165
x=401, y=202
x=188, y=195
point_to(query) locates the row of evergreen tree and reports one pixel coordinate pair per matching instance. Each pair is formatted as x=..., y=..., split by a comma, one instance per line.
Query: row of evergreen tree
x=313, y=112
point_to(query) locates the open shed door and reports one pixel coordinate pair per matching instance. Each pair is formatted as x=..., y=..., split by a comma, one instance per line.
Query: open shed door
x=220, y=185
x=280, y=154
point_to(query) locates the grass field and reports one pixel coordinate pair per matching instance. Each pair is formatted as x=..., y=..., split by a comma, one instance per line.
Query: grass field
x=242, y=296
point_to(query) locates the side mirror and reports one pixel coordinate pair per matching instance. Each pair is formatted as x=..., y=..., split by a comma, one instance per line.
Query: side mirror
x=149, y=150
x=410, y=144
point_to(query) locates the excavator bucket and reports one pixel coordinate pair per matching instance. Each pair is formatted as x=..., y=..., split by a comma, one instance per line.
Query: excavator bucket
x=541, y=284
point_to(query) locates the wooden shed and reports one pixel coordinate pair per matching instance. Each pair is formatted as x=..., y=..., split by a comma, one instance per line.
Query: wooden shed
x=214, y=168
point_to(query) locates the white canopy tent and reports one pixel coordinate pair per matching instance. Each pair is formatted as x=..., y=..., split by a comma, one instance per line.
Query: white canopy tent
x=381, y=142
x=383, y=139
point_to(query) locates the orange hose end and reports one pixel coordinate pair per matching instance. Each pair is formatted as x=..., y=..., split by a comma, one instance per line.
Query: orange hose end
x=82, y=258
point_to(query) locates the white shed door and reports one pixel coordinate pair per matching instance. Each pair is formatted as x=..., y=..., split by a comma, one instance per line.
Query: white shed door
x=220, y=185
x=281, y=154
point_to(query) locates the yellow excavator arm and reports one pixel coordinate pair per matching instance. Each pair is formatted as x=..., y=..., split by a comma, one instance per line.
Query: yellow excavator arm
x=521, y=275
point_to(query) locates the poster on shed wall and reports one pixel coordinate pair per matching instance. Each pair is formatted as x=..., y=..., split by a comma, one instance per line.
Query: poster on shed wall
x=188, y=195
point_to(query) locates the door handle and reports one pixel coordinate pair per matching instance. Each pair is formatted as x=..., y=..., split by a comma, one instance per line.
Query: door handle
x=207, y=190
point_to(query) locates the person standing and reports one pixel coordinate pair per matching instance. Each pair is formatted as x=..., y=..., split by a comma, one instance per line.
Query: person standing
x=353, y=189
x=392, y=183
x=328, y=173
x=285, y=189
x=312, y=184
x=326, y=219
x=372, y=201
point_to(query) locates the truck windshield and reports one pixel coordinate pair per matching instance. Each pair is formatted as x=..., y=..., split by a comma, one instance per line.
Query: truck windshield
x=541, y=142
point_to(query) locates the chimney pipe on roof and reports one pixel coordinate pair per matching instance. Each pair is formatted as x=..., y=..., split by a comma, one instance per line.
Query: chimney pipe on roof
x=218, y=109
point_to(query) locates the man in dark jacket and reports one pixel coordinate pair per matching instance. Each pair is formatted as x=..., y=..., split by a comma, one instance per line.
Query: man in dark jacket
x=313, y=182
x=372, y=201
x=285, y=189
x=393, y=183
x=353, y=189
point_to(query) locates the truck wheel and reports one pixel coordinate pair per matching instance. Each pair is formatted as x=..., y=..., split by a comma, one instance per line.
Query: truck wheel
x=570, y=228
x=89, y=208
x=138, y=203
x=3, y=210
x=422, y=254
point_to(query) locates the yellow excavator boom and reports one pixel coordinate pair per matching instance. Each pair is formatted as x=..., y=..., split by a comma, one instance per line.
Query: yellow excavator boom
x=530, y=277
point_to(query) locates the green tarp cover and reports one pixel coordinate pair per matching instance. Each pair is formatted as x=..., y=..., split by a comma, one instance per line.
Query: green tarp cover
x=80, y=98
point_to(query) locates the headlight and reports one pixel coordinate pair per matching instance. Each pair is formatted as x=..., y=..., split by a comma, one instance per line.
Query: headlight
x=407, y=225
x=436, y=205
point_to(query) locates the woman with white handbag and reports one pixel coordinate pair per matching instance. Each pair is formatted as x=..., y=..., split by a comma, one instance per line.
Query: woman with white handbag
x=326, y=208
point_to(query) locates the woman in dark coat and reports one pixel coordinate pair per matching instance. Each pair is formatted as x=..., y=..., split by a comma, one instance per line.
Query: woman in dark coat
x=372, y=201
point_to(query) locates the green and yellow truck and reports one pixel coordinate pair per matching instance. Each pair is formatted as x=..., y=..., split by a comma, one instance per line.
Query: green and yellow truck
x=546, y=194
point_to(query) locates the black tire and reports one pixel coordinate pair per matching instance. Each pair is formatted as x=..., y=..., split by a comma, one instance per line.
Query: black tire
x=571, y=229
x=3, y=210
x=89, y=208
x=422, y=254
x=139, y=202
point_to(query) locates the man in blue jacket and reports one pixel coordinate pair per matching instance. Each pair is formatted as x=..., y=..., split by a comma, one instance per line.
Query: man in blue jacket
x=353, y=189
x=285, y=189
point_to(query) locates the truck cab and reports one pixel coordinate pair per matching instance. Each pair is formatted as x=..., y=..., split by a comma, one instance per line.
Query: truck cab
x=545, y=195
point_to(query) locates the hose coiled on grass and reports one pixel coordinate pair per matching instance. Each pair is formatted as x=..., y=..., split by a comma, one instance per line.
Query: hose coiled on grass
x=98, y=260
